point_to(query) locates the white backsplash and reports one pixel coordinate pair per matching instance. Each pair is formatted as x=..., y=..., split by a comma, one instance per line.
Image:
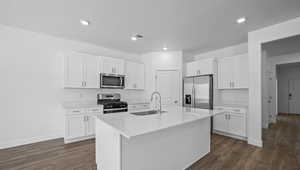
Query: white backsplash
x=90, y=95
x=239, y=96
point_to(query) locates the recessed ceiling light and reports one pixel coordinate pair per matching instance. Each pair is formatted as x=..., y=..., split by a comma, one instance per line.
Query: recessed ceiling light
x=84, y=22
x=241, y=20
x=137, y=37
x=133, y=38
x=165, y=48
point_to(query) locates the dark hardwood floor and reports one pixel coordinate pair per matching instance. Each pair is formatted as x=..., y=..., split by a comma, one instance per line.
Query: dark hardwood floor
x=281, y=151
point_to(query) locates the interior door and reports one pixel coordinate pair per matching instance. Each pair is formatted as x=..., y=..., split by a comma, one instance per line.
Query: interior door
x=294, y=96
x=168, y=85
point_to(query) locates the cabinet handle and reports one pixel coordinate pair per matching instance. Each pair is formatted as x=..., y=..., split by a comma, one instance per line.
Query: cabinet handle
x=75, y=111
x=82, y=84
x=228, y=116
x=232, y=84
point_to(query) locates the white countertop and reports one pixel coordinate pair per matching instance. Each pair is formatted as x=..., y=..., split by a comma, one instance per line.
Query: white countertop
x=79, y=105
x=130, y=125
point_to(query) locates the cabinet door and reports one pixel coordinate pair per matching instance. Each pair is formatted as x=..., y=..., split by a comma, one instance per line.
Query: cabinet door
x=225, y=73
x=135, y=75
x=220, y=122
x=112, y=65
x=73, y=71
x=90, y=126
x=76, y=126
x=91, y=71
x=204, y=67
x=236, y=124
x=241, y=71
x=191, y=69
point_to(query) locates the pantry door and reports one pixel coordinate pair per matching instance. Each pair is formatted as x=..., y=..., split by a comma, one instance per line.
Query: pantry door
x=168, y=84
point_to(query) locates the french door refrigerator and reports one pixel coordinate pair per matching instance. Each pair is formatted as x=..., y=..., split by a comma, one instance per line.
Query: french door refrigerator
x=198, y=92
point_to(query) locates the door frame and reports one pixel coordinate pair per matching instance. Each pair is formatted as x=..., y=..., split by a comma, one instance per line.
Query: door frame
x=180, y=80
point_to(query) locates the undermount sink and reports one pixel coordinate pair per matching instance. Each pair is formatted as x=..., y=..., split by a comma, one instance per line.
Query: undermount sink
x=149, y=112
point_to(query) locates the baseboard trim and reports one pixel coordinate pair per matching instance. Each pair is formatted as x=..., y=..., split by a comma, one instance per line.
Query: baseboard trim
x=230, y=135
x=19, y=142
x=255, y=142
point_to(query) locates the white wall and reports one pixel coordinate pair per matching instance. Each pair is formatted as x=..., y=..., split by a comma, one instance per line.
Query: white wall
x=225, y=96
x=255, y=41
x=31, y=84
x=171, y=60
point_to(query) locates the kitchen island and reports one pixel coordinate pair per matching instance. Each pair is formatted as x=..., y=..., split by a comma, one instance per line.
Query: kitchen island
x=173, y=140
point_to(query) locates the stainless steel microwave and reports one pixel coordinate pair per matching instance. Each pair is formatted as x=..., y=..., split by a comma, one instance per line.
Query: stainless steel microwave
x=112, y=81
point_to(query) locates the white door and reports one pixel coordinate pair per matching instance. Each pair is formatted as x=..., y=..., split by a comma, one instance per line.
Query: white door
x=76, y=126
x=294, y=96
x=220, y=122
x=90, y=125
x=225, y=73
x=73, y=70
x=91, y=71
x=236, y=125
x=168, y=84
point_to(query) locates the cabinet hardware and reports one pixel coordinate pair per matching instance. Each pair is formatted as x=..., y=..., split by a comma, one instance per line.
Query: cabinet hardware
x=232, y=84
x=75, y=111
x=82, y=84
x=228, y=116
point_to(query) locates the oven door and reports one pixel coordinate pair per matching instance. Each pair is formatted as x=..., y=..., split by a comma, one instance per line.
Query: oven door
x=112, y=81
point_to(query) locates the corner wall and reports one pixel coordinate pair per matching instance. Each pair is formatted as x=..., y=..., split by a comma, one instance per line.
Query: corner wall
x=32, y=84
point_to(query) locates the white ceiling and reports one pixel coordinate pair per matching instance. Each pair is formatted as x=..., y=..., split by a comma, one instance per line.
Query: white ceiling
x=179, y=24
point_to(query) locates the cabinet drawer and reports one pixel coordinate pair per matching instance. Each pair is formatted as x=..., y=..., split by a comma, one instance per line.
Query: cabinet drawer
x=75, y=111
x=95, y=109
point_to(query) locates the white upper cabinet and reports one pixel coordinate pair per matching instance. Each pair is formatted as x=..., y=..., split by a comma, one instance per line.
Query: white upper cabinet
x=200, y=67
x=112, y=65
x=81, y=71
x=233, y=72
x=91, y=71
x=135, y=75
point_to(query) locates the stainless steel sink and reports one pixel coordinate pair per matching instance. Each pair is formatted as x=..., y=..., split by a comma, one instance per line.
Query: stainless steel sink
x=148, y=112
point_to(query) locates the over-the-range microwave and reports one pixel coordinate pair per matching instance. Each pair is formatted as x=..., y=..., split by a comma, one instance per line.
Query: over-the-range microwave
x=112, y=81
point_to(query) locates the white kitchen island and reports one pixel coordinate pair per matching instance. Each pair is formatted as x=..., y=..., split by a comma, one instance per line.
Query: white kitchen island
x=171, y=141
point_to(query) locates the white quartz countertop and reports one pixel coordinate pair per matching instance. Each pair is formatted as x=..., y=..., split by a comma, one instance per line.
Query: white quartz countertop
x=130, y=125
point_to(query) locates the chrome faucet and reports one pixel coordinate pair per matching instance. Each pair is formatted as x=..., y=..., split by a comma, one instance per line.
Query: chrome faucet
x=157, y=93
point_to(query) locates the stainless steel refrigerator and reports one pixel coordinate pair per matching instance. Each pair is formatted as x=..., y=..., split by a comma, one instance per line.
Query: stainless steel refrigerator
x=198, y=92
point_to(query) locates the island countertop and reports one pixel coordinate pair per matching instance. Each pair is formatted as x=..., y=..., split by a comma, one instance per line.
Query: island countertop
x=130, y=125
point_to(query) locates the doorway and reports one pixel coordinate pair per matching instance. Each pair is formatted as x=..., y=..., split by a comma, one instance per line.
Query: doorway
x=168, y=84
x=289, y=88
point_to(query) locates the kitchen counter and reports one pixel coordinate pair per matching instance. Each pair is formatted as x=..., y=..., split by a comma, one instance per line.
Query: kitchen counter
x=173, y=140
x=80, y=105
x=130, y=125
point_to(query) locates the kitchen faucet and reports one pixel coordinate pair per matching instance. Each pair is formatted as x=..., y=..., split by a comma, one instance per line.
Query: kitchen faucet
x=157, y=93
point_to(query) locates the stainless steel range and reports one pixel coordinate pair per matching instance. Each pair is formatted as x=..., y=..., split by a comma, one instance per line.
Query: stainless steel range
x=112, y=103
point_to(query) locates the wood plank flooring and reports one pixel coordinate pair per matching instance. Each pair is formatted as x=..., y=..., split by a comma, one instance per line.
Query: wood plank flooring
x=281, y=151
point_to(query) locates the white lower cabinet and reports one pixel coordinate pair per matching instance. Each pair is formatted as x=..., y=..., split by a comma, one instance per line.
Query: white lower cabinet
x=230, y=122
x=80, y=125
